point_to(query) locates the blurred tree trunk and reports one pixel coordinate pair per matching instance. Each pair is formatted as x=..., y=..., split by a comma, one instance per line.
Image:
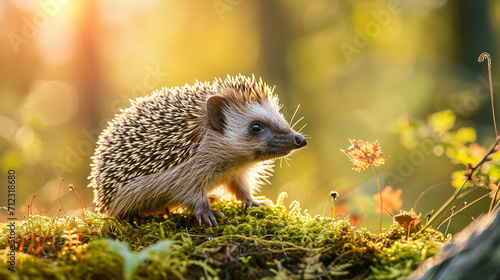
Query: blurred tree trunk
x=91, y=83
x=475, y=36
x=274, y=39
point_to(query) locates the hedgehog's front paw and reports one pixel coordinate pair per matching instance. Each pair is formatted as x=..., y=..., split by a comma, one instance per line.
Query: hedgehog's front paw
x=208, y=215
x=255, y=203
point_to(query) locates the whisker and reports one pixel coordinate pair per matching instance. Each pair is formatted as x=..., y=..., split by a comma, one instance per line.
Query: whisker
x=302, y=128
x=297, y=122
x=281, y=162
x=296, y=110
x=286, y=161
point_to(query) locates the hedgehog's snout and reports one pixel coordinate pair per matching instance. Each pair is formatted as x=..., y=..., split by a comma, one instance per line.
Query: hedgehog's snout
x=299, y=141
x=282, y=144
x=291, y=141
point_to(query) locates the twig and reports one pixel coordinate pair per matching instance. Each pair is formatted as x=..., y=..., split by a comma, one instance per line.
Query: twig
x=491, y=150
x=469, y=190
x=463, y=208
x=481, y=58
x=271, y=242
x=468, y=174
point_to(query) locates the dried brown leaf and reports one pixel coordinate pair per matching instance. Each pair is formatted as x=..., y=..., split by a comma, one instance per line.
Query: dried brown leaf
x=363, y=154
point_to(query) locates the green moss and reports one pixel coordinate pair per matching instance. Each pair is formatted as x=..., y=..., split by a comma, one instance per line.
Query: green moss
x=258, y=242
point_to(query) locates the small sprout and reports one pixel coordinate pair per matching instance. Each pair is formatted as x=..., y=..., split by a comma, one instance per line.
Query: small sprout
x=132, y=259
x=245, y=260
x=363, y=154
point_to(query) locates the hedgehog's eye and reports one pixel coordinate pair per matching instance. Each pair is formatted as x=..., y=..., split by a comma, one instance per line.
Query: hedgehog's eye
x=256, y=128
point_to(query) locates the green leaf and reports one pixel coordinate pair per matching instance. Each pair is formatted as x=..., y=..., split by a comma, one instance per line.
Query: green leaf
x=131, y=259
x=464, y=157
x=494, y=171
x=442, y=121
x=162, y=246
x=466, y=134
x=457, y=178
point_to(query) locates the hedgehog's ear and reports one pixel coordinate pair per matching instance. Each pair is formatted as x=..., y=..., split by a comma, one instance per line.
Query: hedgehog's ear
x=215, y=105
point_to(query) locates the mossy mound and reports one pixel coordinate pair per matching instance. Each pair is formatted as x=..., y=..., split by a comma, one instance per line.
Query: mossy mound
x=261, y=242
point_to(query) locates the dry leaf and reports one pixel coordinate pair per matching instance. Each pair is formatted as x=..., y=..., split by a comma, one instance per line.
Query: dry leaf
x=362, y=154
x=391, y=199
x=409, y=220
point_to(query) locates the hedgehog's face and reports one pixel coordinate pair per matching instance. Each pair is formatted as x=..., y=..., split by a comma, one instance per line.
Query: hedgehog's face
x=256, y=131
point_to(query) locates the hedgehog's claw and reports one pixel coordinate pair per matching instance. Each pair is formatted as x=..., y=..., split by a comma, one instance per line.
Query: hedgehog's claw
x=255, y=203
x=208, y=216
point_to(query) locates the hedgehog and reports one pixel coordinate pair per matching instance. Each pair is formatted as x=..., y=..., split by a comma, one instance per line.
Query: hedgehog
x=175, y=146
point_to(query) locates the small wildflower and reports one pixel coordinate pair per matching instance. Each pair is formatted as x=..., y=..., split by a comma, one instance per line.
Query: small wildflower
x=363, y=154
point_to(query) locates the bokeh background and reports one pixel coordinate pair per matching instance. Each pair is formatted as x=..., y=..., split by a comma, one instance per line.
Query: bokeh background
x=359, y=69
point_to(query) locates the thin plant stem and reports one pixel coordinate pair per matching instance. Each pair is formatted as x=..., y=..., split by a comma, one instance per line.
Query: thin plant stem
x=381, y=201
x=446, y=204
x=333, y=209
x=462, y=209
x=71, y=187
x=468, y=191
x=58, y=198
x=449, y=221
x=481, y=58
x=425, y=191
x=468, y=176
x=494, y=198
x=326, y=204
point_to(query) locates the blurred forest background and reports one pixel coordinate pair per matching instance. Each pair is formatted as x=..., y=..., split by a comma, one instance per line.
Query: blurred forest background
x=359, y=69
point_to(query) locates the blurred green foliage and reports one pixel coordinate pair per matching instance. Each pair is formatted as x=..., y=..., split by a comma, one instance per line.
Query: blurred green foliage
x=456, y=143
x=354, y=67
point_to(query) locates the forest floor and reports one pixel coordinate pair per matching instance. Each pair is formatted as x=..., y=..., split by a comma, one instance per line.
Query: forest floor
x=258, y=243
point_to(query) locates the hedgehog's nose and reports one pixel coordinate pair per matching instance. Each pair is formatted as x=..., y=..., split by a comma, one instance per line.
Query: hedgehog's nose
x=299, y=141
